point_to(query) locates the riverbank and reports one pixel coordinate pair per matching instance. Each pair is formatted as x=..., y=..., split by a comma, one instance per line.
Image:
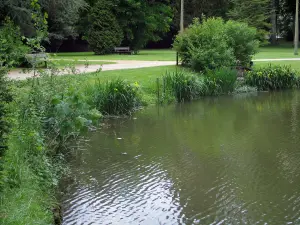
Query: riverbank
x=50, y=112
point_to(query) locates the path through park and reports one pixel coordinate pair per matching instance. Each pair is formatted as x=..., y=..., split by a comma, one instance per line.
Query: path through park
x=119, y=65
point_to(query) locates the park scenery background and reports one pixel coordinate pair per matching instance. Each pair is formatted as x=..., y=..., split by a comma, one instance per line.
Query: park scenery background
x=61, y=77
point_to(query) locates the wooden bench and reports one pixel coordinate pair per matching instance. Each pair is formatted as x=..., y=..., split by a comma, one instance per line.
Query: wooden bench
x=36, y=58
x=123, y=50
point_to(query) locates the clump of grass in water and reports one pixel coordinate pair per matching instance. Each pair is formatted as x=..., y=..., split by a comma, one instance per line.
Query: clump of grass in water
x=221, y=80
x=116, y=97
x=272, y=78
x=184, y=86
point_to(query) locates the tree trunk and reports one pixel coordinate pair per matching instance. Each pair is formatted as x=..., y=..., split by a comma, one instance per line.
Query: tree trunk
x=297, y=28
x=182, y=16
x=274, y=24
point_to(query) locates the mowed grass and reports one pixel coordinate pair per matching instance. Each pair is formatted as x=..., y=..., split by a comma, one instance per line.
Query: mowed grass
x=293, y=64
x=269, y=52
x=276, y=52
x=144, y=55
x=143, y=76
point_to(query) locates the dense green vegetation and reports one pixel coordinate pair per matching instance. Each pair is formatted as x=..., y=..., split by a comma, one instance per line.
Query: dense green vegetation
x=214, y=43
x=149, y=20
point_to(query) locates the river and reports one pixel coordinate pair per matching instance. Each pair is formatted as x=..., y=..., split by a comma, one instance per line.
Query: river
x=225, y=160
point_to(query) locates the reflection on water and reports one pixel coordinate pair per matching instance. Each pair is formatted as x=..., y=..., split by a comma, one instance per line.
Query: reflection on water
x=230, y=160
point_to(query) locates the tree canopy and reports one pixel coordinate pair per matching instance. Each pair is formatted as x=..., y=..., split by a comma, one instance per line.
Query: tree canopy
x=144, y=21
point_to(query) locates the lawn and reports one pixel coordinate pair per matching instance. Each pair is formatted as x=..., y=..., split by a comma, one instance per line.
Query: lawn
x=268, y=52
x=144, y=55
x=144, y=76
x=293, y=64
x=277, y=52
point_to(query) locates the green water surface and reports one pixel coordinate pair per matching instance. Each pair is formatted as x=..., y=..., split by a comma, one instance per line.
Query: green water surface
x=226, y=160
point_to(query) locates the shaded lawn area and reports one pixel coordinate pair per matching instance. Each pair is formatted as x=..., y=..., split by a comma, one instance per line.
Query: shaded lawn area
x=284, y=50
x=144, y=55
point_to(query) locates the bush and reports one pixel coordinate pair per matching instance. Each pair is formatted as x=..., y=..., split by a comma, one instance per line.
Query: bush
x=204, y=45
x=12, y=49
x=214, y=43
x=116, y=97
x=184, y=86
x=272, y=78
x=105, y=32
x=242, y=39
x=223, y=79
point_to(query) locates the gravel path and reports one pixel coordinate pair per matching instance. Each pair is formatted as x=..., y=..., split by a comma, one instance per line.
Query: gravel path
x=119, y=65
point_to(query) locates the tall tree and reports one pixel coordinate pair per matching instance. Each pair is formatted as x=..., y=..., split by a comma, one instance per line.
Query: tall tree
x=274, y=7
x=254, y=12
x=62, y=15
x=143, y=21
x=297, y=27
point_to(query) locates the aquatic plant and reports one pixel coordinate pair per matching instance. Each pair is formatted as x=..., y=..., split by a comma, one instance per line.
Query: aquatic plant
x=272, y=78
x=184, y=86
x=221, y=80
x=116, y=97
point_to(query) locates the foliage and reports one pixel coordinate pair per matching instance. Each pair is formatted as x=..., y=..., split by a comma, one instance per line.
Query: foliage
x=63, y=16
x=223, y=78
x=5, y=98
x=255, y=13
x=272, y=78
x=205, y=45
x=40, y=24
x=105, y=32
x=214, y=43
x=184, y=86
x=47, y=115
x=12, y=49
x=149, y=21
x=116, y=97
x=242, y=39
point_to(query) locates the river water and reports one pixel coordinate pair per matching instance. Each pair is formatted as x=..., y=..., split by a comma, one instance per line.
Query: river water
x=226, y=160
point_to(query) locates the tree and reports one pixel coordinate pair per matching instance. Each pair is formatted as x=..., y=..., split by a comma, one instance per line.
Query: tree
x=143, y=21
x=297, y=27
x=256, y=13
x=62, y=15
x=274, y=7
x=104, y=33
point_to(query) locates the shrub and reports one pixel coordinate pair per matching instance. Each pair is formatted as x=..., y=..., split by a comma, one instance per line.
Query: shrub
x=105, y=32
x=214, y=43
x=12, y=49
x=116, y=97
x=242, y=39
x=184, y=86
x=272, y=78
x=204, y=45
x=223, y=79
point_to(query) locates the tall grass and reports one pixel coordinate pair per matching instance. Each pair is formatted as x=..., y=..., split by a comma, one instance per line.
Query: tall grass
x=48, y=113
x=116, y=97
x=184, y=86
x=221, y=81
x=272, y=78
